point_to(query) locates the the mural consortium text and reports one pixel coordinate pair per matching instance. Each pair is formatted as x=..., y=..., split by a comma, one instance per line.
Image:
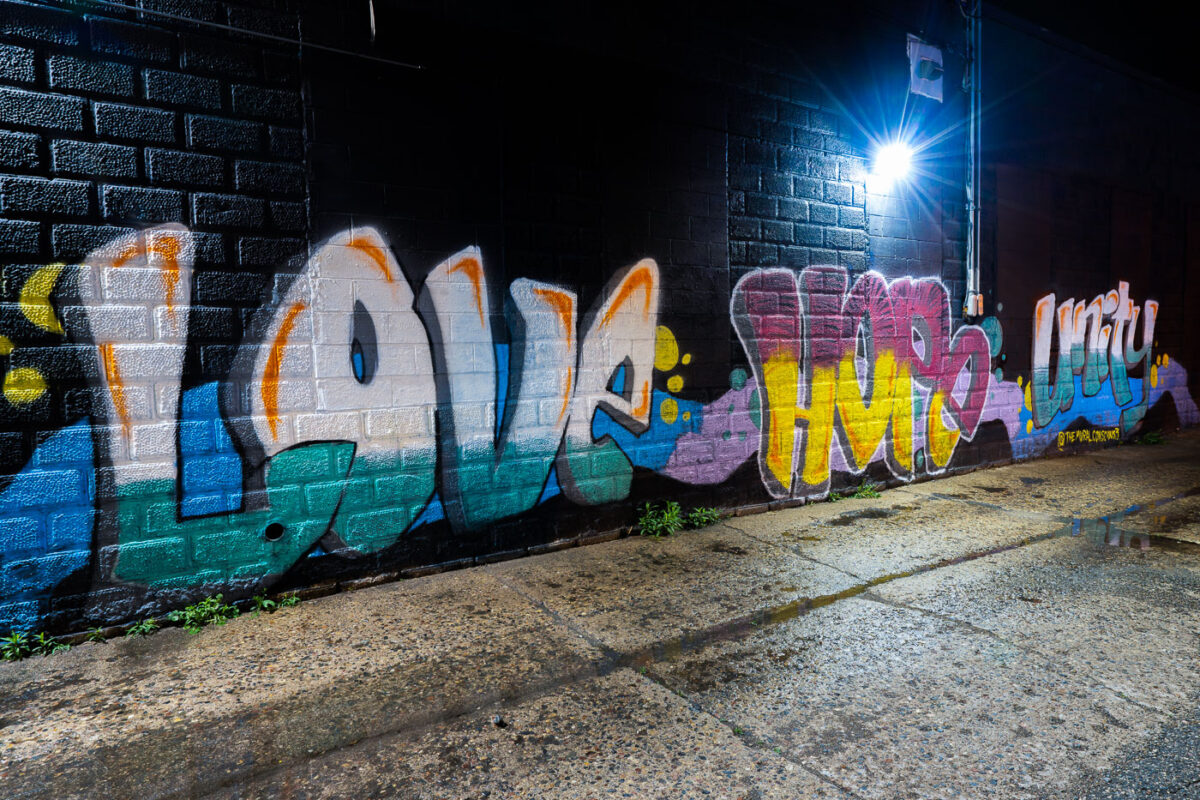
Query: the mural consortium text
x=361, y=407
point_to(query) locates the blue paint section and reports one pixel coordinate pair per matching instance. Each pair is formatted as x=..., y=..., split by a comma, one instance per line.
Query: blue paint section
x=210, y=467
x=1101, y=410
x=432, y=513
x=618, y=381
x=653, y=448
x=46, y=519
x=552, y=488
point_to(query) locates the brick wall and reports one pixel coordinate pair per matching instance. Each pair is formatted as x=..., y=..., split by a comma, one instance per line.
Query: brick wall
x=277, y=316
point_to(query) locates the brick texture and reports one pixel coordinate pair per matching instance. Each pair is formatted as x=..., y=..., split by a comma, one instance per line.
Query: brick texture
x=110, y=122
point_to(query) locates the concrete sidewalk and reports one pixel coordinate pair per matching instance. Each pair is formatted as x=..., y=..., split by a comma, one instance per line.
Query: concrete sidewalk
x=1014, y=632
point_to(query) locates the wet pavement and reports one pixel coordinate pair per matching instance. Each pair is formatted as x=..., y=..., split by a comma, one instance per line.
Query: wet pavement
x=1030, y=631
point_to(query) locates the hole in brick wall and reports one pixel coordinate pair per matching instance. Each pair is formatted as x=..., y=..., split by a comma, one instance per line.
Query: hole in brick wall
x=273, y=532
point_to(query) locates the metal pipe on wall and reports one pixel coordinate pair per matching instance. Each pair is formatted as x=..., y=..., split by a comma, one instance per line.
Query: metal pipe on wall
x=973, y=298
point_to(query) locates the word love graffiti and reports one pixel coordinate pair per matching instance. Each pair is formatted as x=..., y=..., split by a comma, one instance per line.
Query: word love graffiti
x=875, y=368
x=354, y=399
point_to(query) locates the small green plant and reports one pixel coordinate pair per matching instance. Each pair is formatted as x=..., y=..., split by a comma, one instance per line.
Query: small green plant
x=15, y=646
x=1151, y=437
x=96, y=635
x=19, y=644
x=263, y=603
x=143, y=627
x=835, y=496
x=866, y=489
x=209, y=611
x=660, y=522
x=702, y=517
x=45, y=644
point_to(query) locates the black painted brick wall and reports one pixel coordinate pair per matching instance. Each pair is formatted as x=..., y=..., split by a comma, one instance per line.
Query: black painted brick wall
x=110, y=122
x=113, y=122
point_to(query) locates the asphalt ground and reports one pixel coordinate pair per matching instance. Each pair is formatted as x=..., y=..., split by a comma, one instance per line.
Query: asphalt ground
x=1028, y=631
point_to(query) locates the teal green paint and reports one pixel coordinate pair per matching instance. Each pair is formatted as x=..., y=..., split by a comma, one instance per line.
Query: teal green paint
x=599, y=472
x=382, y=497
x=995, y=335
x=1120, y=381
x=482, y=486
x=1047, y=402
x=1095, y=371
x=190, y=552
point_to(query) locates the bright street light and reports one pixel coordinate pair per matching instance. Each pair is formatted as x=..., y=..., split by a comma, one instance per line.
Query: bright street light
x=892, y=163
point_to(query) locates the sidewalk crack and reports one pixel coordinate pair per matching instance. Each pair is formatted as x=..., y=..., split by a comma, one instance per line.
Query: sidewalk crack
x=745, y=735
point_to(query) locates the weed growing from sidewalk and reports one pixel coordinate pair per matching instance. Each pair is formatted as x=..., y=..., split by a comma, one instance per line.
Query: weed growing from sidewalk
x=209, y=611
x=1152, y=437
x=702, y=517
x=15, y=646
x=263, y=603
x=659, y=522
x=866, y=489
x=45, y=644
x=664, y=521
x=144, y=627
x=19, y=644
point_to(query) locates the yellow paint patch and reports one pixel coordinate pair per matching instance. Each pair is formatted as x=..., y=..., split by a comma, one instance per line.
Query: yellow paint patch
x=1029, y=426
x=6, y=345
x=668, y=409
x=675, y=383
x=687, y=415
x=1028, y=401
x=687, y=359
x=1154, y=375
x=1166, y=360
x=23, y=385
x=35, y=298
x=820, y=425
x=865, y=424
x=781, y=376
x=1020, y=380
x=941, y=439
x=666, y=349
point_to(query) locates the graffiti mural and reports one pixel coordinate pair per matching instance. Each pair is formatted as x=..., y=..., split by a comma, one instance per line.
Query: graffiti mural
x=873, y=367
x=360, y=407
x=1095, y=348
